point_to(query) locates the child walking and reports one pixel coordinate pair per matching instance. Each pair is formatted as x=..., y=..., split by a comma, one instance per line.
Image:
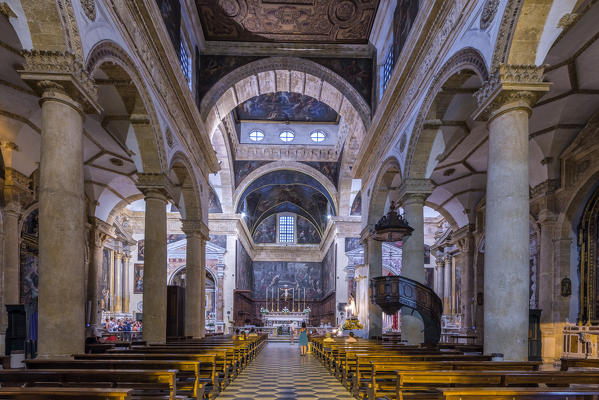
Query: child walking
x=303, y=339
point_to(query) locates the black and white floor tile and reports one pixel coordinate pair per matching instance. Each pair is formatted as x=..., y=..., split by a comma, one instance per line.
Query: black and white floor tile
x=279, y=373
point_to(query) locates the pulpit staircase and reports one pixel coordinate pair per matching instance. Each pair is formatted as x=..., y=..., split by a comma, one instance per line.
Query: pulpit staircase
x=393, y=293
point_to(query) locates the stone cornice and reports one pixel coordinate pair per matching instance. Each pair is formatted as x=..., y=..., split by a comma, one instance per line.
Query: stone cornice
x=147, y=182
x=510, y=84
x=437, y=26
x=195, y=226
x=65, y=71
x=140, y=23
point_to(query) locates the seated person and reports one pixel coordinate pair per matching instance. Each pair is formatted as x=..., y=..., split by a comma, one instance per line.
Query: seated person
x=328, y=338
x=253, y=333
x=351, y=338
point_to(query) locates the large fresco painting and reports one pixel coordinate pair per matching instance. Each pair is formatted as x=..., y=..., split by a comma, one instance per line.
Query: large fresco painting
x=329, y=271
x=171, y=15
x=29, y=258
x=328, y=169
x=243, y=169
x=266, y=232
x=105, y=282
x=244, y=276
x=297, y=275
x=306, y=232
x=211, y=68
x=285, y=106
x=403, y=19
x=356, y=207
x=219, y=240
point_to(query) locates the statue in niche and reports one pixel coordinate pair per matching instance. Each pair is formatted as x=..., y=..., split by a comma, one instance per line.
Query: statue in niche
x=566, y=287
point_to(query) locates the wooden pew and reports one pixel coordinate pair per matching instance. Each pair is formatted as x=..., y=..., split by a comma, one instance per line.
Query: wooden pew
x=209, y=375
x=146, y=383
x=428, y=382
x=527, y=393
x=188, y=377
x=579, y=363
x=37, y=393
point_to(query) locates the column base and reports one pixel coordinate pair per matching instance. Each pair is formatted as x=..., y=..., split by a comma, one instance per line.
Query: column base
x=412, y=329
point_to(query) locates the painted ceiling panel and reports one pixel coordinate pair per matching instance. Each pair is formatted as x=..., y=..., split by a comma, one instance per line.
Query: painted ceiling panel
x=283, y=107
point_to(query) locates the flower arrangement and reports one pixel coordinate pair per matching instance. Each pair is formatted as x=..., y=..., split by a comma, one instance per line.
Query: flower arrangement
x=285, y=310
x=351, y=324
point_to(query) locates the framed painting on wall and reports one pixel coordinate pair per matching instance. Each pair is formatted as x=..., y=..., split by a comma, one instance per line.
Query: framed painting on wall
x=138, y=278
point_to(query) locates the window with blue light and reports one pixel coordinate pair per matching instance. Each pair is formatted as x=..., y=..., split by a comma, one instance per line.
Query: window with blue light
x=387, y=69
x=286, y=229
x=185, y=61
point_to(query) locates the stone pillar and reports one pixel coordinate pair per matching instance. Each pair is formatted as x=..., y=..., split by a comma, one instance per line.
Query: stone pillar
x=467, y=273
x=61, y=301
x=99, y=233
x=373, y=254
x=154, y=189
x=440, y=275
x=412, y=327
x=505, y=101
x=229, y=282
x=548, y=288
x=195, y=286
x=126, y=284
x=447, y=281
x=118, y=282
x=12, y=235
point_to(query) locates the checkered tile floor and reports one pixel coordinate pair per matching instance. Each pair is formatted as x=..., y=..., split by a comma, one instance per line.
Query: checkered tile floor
x=280, y=373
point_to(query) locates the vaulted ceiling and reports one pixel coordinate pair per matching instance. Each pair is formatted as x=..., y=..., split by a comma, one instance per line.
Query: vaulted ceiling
x=316, y=21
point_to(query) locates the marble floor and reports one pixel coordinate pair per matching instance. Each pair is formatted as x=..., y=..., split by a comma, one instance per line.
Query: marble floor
x=280, y=373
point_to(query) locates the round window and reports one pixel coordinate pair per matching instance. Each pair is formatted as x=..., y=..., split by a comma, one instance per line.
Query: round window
x=287, y=136
x=318, y=136
x=256, y=135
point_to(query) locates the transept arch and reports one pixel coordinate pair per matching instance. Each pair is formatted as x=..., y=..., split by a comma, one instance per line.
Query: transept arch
x=189, y=201
x=388, y=179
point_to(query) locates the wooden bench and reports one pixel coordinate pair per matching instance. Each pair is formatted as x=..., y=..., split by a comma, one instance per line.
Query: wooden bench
x=474, y=393
x=36, y=393
x=147, y=384
x=188, y=378
x=409, y=383
x=579, y=363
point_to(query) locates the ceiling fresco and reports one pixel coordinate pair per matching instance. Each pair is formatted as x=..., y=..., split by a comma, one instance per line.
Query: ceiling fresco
x=315, y=21
x=286, y=191
x=285, y=107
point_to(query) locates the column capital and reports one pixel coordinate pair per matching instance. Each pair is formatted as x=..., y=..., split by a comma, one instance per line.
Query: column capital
x=447, y=258
x=100, y=231
x=510, y=87
x=16, y=186
x=547, y=217
x=156, y=185
x=415, y=190
x=440, y=262
x=62, y=76
x=13, y=209
x=195, y=227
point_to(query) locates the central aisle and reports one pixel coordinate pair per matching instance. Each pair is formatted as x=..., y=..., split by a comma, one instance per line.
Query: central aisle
x=280, y=373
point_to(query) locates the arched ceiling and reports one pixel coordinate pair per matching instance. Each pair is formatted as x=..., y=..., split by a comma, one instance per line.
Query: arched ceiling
x=286, y=191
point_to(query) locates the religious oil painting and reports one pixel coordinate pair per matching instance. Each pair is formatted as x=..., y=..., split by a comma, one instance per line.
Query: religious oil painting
x=285, y=106
x=138, y=278
x=269, y=275
x=266, y=232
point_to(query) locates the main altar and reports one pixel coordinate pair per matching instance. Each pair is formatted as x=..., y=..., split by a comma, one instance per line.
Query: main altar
x=285, y=309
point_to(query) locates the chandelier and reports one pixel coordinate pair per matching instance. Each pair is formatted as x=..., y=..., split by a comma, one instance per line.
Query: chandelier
x=392, y=227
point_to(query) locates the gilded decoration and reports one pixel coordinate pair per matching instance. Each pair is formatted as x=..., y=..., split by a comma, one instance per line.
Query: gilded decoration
x=322, y=21
x=89, y=8
x=588, y=238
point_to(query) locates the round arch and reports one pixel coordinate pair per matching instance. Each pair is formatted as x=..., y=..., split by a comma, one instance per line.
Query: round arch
x=149, y=136
x=285, y=165
x=388, y=174
x=189, y=200
x=421, y=140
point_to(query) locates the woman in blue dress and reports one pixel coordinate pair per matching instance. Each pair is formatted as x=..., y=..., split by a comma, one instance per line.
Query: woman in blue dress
x=303, y=339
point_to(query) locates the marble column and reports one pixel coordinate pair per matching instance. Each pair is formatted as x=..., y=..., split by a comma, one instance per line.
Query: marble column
x=118, y=282
x=12, y=235
x=548, y=288
x=195, y=284
x=440, y=276
x=373, y=254
x=155, y=266
x=99, y=233
x=507, y=232
x=126, y=285
x=447, y=283
x=412, y=327
x=61, y=301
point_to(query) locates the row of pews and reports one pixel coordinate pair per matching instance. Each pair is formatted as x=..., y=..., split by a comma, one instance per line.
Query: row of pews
x=182, y=369
x=376, y=370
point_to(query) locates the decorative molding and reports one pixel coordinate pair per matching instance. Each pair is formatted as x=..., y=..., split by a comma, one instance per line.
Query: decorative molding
x=6, y=10
x=195, y=226
x=65, y=72
x=488, y=14
x=415, y=189
x=506, y=32
x=510, y=84
x=170, y=140
x=156, y=182
x=89, y=8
